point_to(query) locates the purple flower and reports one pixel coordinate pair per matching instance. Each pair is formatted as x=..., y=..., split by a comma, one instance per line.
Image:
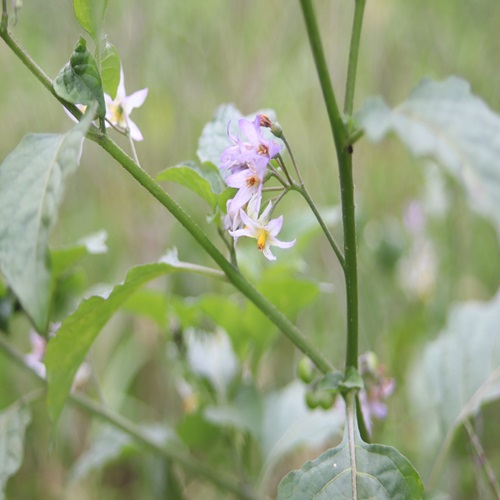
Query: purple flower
x=258, y=151
x=249, y=183
x=377, y=388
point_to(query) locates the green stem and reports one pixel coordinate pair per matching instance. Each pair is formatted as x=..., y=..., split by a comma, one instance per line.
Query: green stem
x=353, y=56
x=346, y=183
x=351, y=266
x=336, y=123
x=232, y=273
x=169, y=452
x=305, y=194
x=289, y=149
x=5, y=16
x=482, y=460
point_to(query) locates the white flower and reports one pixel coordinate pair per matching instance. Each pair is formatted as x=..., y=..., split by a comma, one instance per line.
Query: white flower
x=263, y=230
x=118, y=109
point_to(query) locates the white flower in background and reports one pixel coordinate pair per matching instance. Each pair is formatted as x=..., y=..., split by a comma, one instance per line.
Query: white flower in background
x=118, y=110
x=263, y=230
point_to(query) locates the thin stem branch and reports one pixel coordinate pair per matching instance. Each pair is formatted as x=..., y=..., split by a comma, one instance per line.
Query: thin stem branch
x=353, y=56
x=169, y=452
x=280, y=160
x=289, y=149
x=305, y=194
x=483, y=461
x=141, y=176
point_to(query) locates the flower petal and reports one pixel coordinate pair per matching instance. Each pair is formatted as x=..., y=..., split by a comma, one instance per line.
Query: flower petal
x=281, y=244
x=135, y=100
x=266, y=251
x=135, y=133
x=274, y=226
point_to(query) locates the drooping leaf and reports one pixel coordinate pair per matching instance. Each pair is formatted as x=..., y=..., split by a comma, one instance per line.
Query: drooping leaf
x=214, y=138
x=204, y=180
x=445, y=121
x=65, y=257
x=79, y=81
x=110, y=69
x=381, y=473
x=13, y=423
x=67, y=350
x=457, y=373
x=32, y=182
x=90, y=14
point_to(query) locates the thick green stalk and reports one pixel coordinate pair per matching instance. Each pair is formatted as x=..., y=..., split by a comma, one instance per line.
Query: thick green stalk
x=346, y=183
x=232, y=273
x=336, y=123
x=169, y=452
x=353, y=56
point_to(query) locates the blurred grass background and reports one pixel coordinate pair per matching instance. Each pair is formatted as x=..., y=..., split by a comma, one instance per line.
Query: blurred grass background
x=194, y=56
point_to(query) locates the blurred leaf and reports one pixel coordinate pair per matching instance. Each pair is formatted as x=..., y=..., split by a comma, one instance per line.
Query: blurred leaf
x=63, y=258
x=196, y=431
x=13, y=423
x=214, y=138
x=289, y=423
x=109, y=444
x=79, y=81
x=457, y=373
x=204, y=180
x=445, y=121
x=244, y=412
x=290, y=294
x=32, y=179
x=90, y=14
x=150, y=303
x=381, y=473
x=67, y=350
x=110, y=70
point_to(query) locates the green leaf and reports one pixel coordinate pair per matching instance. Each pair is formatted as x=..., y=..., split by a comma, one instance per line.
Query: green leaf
x=288, y=424
x=110, y=69
x=214, y=138
x=150, y=303
x=443, y=120
x=32, y=180
x=67, y=350
x=63, y=258
x=204, y=180
x=457, y=373
x=79, y=81
x=381, y=473
x=13, y=423
x=90, y=14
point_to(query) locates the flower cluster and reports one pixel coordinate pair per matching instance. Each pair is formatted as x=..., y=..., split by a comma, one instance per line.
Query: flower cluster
x=244, y=165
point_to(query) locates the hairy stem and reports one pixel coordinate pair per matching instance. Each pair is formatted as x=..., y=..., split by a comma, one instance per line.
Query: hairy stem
x=353, y=56
x=141, y=176
x=169, y=452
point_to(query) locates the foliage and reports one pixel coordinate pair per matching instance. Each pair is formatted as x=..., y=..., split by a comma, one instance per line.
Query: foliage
x=201, y=381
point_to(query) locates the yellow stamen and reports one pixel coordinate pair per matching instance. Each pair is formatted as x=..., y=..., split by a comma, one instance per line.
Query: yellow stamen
x=261, y=239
